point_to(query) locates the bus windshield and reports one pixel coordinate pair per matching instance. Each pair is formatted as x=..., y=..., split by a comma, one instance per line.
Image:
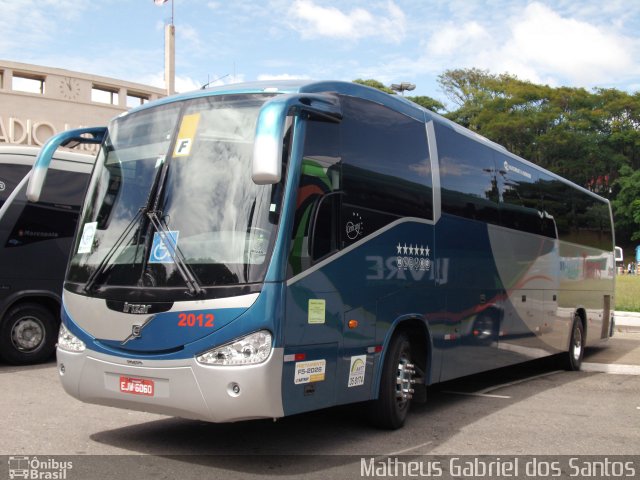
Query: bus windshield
x=187, y=164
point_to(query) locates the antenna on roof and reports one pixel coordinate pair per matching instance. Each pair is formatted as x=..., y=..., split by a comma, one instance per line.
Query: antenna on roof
x=212, y=81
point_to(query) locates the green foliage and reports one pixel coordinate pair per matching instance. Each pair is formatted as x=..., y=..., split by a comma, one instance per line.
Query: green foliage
x=374, y=84
x=428, y=103
x=422, y=100
x=627, y=202
x=628, y=293
x=587, y=137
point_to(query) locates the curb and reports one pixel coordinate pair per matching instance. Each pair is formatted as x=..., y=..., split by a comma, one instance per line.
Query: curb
x=627, y=321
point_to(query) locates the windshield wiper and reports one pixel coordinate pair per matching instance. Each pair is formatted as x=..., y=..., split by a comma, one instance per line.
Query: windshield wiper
x=176, y=255
x=102, y=265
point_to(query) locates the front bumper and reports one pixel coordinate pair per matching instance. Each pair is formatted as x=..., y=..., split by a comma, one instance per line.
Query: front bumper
x=182, y=388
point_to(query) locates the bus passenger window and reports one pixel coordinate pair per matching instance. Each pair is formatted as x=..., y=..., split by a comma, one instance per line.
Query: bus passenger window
x=386, y=169
x=55, y=215
x=521, y=193
x=10, y=177
x=467, y=177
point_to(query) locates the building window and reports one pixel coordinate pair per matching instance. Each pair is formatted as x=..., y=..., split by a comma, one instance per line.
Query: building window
x=23, y=82
x=104, y=95
x=135, y=99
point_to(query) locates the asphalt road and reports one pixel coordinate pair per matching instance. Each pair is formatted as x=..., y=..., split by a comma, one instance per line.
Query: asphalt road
x=531, y=409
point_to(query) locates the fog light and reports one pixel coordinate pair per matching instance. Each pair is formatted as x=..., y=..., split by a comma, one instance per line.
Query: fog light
x=233, y=389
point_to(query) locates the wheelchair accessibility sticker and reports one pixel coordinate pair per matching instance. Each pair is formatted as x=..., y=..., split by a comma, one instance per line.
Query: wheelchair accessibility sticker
x=163, y=250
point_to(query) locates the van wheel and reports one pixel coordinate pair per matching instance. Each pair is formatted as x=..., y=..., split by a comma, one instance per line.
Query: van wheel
x=28, y=334
x=390, y=409
x=572, y=360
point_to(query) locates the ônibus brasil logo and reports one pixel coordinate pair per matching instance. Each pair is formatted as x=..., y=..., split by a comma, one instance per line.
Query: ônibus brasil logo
x=35, y=468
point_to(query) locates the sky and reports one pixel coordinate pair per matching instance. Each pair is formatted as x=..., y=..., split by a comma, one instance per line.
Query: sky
x=577, y=43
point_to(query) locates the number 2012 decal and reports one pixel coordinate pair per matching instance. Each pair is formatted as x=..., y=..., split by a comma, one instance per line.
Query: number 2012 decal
x=193, y=320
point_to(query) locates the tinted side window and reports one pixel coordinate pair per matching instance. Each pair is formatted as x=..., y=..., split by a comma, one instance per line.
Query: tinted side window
x=314, y=232
x=556, y=205
x=521, y=196
x=578, y=216
x=56, y=214
x=10, y=177
x=467, y=176
x=590, y=224
x=386, y=168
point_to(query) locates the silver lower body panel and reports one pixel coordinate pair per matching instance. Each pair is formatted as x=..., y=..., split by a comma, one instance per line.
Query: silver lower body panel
x=182, y=388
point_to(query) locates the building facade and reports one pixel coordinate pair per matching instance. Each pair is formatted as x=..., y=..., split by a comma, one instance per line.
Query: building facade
x=37, y=102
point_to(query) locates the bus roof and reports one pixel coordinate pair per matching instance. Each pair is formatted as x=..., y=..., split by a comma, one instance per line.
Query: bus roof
x=28, y=151
x=395, y=102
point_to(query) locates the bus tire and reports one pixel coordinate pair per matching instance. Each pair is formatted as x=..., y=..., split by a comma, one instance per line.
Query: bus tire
x=572, y=360
x=28, y=334
x=390, y=409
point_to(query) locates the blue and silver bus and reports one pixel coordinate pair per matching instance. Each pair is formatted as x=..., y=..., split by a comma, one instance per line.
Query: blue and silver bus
x=261, y=250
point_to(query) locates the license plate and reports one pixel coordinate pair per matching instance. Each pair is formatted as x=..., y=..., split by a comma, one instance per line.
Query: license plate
x=137, y=386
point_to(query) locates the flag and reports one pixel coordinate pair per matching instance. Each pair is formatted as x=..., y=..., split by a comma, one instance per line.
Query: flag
x=160, y=2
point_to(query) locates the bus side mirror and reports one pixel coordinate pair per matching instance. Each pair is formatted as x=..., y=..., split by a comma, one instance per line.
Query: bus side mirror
x=64, y=139
x=267, y=147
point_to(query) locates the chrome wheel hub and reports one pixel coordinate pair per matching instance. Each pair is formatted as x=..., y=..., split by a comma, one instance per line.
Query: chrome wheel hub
x=27, y=334
x=577, y=344
x=405, y=381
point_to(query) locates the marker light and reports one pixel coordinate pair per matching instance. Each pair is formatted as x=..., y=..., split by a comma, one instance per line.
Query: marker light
x=250, y=350
x=68, y=341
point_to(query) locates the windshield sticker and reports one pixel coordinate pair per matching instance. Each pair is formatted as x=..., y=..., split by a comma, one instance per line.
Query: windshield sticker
x=186, y=135
x=311, y=371
x=357, y=371
x=88, y=233
x=161, y=251
x=316, y=311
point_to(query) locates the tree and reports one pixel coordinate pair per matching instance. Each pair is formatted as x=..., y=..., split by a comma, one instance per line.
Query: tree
x=627, y=204
x=428, y=103
x=374, y=84
x=589, y=137
x=422, y=100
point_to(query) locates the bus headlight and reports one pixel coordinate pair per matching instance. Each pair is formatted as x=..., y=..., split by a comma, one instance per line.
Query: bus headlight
x=249, y=350
x=68, y=341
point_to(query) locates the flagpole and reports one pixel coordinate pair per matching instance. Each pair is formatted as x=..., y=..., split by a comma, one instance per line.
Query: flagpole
x=169, y=51
x=170, y=55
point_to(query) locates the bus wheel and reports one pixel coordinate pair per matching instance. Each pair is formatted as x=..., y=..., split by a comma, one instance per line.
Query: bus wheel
x=391, y=407
x=573, y=358
x=28, y=334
